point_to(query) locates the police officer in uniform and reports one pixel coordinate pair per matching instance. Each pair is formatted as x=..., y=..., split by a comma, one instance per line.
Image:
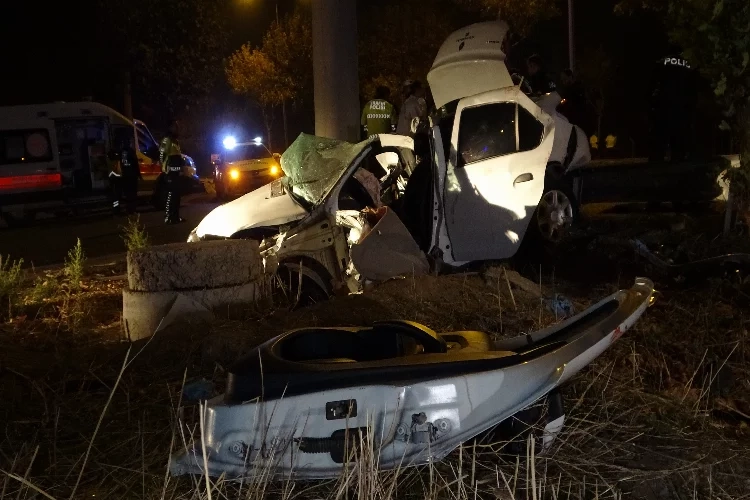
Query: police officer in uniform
x=672, y=103
x=131, y=172
x=379, y=115
x=170, y=158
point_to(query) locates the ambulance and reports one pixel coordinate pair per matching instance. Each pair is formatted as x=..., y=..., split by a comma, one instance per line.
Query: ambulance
x=54, y=157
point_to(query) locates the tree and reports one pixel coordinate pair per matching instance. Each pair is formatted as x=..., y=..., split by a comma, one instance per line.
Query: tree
x=171, y=49
x=289, y=46
x=595, y=68
x=521, y=15
x=252, y=73
x=277, y=72
x=715, y=38
x=398, y=40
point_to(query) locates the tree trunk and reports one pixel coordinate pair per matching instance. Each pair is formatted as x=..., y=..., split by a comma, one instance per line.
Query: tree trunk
x=286, y=133
x=268, y=122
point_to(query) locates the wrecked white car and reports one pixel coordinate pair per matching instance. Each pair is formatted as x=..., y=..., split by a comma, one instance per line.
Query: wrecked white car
x=493, y=174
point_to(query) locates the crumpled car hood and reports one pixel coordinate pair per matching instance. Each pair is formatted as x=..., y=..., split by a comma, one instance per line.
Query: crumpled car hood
x=312, y=166
x=266, y=206
x=315, y=164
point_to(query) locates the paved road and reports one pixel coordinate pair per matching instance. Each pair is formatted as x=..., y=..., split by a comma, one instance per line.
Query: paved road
x=47, y=242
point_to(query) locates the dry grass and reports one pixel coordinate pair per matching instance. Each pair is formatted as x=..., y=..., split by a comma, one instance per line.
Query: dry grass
x=662, y=415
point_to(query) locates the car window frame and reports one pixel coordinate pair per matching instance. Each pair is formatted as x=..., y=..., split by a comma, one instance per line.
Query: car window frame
x=461, y=163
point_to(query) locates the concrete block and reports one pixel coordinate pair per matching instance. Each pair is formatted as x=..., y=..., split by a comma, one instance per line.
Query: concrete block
x=188, y=266
x=142, y=312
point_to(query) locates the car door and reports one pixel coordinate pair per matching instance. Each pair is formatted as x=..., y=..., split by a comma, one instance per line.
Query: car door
x=500, y=145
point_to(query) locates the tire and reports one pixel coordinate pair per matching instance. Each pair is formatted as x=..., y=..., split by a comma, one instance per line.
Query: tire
x=555, y=214
x=288, y=291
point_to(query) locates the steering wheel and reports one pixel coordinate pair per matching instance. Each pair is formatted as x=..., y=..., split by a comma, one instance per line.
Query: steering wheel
x=431, y=341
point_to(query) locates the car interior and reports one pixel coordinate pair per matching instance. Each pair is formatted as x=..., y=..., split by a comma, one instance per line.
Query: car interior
x=413, y=206
x=385, y=340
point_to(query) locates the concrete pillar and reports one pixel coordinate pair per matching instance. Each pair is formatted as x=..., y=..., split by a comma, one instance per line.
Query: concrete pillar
x=335, y=71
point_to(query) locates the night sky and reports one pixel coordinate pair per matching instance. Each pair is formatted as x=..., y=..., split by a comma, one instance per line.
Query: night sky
x=49, y=49
x=50, y=52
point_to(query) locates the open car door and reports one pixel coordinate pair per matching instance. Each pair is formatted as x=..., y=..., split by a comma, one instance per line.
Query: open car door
x=500, y=145
x=384, y=246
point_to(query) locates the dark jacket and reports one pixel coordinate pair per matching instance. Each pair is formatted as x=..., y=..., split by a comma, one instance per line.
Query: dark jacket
x=129, y=162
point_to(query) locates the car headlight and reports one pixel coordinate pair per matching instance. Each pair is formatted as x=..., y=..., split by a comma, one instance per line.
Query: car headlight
x=234, y=174
x=275, y=170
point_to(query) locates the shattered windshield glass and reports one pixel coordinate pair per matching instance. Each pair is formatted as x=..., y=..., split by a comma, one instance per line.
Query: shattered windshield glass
x=314, y=164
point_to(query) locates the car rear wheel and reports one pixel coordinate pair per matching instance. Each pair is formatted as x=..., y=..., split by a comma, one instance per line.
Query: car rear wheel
x=550, y=226
x=555, y=215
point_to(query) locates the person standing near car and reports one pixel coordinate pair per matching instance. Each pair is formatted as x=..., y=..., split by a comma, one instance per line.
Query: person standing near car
x=170, y=158
x=573, y=104
x=115, y=183
x=131, y=173
x=379, y=115
x=673, y=98
x=537, y=78
x=415, y=106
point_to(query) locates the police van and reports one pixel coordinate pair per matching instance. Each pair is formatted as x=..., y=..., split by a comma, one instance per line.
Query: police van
x=54, y=157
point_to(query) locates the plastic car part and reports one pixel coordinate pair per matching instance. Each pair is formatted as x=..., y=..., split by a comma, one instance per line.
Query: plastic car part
x=291, y=400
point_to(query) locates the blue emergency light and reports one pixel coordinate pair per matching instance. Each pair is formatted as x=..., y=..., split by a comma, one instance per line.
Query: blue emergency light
x=230, y=142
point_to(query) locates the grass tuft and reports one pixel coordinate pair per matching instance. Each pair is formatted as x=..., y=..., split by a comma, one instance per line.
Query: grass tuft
x=135, y=235
x=11, y=279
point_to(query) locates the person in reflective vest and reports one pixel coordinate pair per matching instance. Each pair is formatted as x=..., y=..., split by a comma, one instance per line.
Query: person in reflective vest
x=610, y=143
x=594, y=145
x=170, y=158
x=131, y=172
x=379, y=115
